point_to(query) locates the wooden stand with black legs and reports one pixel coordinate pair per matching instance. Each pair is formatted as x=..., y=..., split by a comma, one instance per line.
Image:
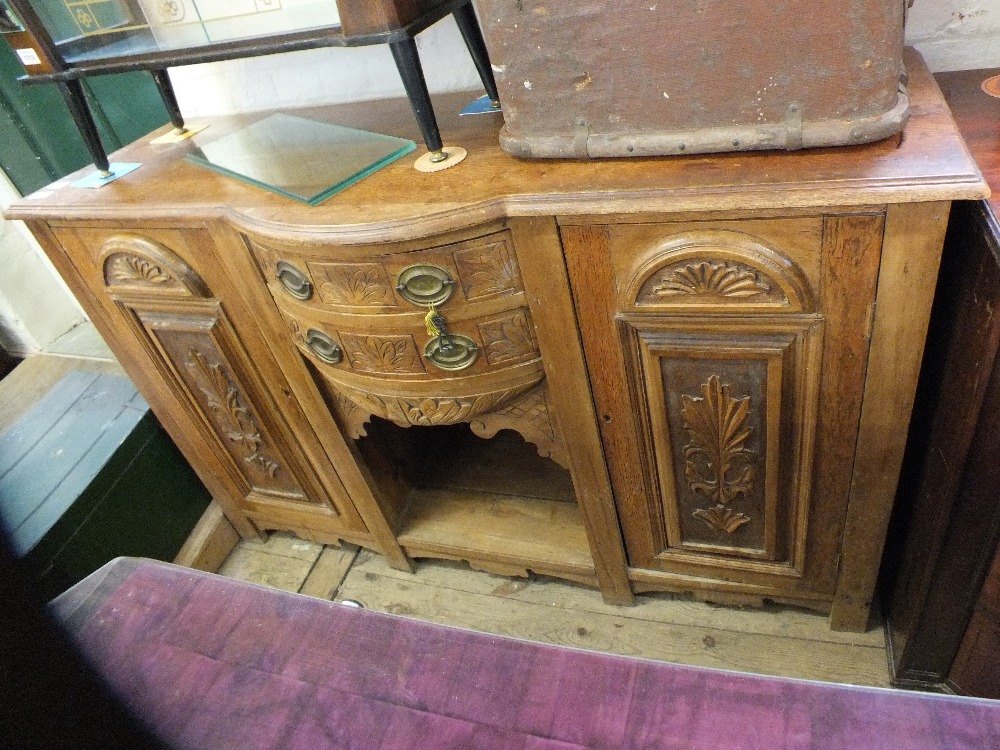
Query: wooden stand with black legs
x=380, y=22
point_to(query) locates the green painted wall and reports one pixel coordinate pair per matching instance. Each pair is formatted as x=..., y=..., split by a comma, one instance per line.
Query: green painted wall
x=39, y=142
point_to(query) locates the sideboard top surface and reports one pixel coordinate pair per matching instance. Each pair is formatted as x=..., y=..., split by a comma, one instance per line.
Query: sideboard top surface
x=929, y=162
x=978, y=116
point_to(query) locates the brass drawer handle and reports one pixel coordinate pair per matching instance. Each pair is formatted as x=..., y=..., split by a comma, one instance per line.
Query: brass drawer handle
x=447, y=351
x=451, y=351
x=324, y=347
x=425, y=285
x=294, y=281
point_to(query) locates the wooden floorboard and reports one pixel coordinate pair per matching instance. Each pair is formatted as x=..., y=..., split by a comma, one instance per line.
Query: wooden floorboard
x=783, y=641
x=282, y=562
x=27, y=383
x=329, y=571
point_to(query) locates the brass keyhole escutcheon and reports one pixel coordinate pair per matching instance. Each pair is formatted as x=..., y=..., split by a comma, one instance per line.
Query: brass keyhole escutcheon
x=425, y=285
x=293, y=281
x=447, y=350
x=324, y=347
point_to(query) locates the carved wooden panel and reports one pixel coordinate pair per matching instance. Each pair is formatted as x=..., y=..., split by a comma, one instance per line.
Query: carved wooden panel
x=195, y=347
x=137, y=265
x=488, y=269
x=731, y=420
x=383, y=353
x=531, y=417
x=190, y=336
x=428, y=411
x=720, y=270
x=509, y=337
x=352, y=284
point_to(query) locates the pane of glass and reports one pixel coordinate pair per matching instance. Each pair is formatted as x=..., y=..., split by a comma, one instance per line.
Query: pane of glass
x=87, y=30
x=302, y=159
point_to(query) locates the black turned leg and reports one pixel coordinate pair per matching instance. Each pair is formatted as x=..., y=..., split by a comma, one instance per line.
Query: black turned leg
x=404, y=52
x=468, y=24
x=166, y=89
x=76, y=100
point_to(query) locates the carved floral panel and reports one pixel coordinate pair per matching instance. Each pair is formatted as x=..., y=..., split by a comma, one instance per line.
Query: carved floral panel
x=718, y=464
x=509, y=338
x=488, y=270
x=383, y=353
x=716, y=416
x=353, y=284
x=224, y=403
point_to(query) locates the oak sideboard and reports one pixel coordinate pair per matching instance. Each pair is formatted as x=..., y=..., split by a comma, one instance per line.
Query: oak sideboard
x=662, y=374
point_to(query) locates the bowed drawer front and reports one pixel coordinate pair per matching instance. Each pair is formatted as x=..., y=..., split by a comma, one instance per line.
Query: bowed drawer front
x=431, y=336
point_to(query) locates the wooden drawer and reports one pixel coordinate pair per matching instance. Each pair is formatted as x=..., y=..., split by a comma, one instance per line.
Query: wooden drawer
x=363, y=280
x=367, y=335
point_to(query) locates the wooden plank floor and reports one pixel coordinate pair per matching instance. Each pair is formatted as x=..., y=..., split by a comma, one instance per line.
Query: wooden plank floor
x=780, y=641
x=777, y=640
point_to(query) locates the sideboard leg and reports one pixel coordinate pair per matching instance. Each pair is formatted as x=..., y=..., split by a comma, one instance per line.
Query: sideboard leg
x=76, y=101
x=468, y=24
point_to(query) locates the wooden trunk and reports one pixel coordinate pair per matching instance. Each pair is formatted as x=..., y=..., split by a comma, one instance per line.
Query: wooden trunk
x=592, y=79
x=358, y=17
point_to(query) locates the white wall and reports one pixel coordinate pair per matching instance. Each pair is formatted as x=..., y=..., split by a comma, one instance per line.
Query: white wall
x=36, y=308
x=956, y=34
x=300, y=79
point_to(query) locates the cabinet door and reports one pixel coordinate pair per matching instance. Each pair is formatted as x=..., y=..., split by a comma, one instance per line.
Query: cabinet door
x=184, y=345
x=727, y=359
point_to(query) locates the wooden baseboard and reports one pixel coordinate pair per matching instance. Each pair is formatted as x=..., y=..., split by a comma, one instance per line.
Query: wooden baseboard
x=210, y=543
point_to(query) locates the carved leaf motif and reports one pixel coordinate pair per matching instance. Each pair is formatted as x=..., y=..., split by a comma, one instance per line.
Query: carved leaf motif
x=382, y=355
x=296, y=330
x=721, y=518
x=717, y=430
x=130, y=268
x=508, y=339
x=359, y=285
x=723, y=279
x=489, y=270
x=426, y=412
x=237, y=421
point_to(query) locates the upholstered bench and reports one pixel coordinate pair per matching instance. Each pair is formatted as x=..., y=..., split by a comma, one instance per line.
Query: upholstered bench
x=213, y=663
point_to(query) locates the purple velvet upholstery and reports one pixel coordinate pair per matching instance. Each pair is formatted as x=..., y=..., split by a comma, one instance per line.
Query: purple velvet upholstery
x=213, y=663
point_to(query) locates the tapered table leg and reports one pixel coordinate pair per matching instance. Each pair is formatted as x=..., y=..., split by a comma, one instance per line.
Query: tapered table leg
x=404, y=52
x=468, y=24
x=76, y=101
x=166, y=89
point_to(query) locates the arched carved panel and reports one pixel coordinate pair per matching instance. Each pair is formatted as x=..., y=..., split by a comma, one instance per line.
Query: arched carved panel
x=717, y=271
x=134, y=265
